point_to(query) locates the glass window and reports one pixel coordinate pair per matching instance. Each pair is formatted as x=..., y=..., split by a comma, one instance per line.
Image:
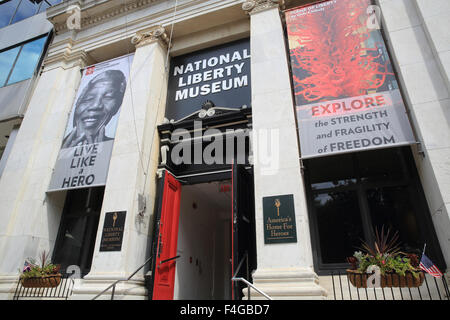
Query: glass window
x=16, y=10
x=47, y=4
x=393, y=208
x=323, y=173
x=53, y=2
x=339, y=225
x=7, y=59
x=381, y=165
x=27, y=61
x=78, y=228
x=352, y=195
x=7, y=10
x=25, y=10
x=44, y=6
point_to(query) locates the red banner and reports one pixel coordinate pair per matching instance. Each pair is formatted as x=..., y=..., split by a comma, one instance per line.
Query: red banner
x=341, y=68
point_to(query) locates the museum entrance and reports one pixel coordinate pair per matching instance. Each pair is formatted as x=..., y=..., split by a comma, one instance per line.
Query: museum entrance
x=203, y=270
x=203, y=233
x=204, y=222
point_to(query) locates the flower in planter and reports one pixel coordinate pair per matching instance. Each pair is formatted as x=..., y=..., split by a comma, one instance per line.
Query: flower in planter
x=44, y=268
x=385, y=253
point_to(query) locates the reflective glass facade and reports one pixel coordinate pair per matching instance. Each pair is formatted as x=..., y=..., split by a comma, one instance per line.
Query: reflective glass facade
x=13, y=11
x=19, y=63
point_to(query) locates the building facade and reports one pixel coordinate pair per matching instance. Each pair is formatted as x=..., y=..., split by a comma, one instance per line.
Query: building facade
x=25, y=34
x=199, y=161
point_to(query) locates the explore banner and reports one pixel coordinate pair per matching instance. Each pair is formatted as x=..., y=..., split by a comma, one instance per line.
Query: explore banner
x=347, y=96
x=83, y=160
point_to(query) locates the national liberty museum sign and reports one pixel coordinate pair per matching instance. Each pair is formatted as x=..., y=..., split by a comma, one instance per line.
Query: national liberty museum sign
x=220, y=74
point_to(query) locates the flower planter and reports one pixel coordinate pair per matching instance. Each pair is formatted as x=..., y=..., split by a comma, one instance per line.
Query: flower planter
x=49, y=281
x=388, y=280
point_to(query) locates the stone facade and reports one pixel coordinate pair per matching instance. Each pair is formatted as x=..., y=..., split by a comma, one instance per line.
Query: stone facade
x=154, y=30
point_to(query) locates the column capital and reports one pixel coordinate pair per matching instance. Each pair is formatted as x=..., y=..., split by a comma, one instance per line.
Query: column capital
x=64, y=56
x=254, y=6
x=148, y=36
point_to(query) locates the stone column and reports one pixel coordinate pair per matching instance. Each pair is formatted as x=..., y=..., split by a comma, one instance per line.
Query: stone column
x=435, y=125
x=30, y=217
x=284, y=271
x=419, y=37
x=132, y=171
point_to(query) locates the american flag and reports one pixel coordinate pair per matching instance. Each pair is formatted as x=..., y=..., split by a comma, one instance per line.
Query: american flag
x=430, y=267
x=27, y=266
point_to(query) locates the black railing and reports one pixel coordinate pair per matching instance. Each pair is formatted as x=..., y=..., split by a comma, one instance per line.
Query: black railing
x=245, y=281
x=113, y=285
x=340, y=287
x=52, y=287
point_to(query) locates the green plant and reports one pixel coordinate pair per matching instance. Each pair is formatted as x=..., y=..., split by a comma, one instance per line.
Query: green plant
x=383, y=244
x=385, y=253
x=44, y=268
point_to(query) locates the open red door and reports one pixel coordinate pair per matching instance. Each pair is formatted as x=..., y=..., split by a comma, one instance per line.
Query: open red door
x=243, y=240
x=166, y=233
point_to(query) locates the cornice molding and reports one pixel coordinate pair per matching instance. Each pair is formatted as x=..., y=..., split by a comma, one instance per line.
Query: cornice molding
x=155, y=34
x=255, y=6
x=67, y=58
x=59, y=17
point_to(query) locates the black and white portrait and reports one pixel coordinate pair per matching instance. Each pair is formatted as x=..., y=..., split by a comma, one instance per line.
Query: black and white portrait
x=83, y=160
x=98, y=103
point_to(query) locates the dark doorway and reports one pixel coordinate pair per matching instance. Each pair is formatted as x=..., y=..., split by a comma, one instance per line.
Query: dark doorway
x=351, y=195
x=77, y=232
x=243, y=228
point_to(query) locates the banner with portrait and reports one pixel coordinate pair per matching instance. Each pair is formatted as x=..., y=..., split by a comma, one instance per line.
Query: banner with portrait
x=347, y=95
x=83, y=160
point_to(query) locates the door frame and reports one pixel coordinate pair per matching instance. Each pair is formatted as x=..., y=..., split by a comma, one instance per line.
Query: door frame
x=238, y=222
x=186, y=180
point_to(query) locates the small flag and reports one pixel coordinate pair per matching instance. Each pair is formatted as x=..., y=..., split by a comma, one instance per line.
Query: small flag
x=428, y=266
x=27, y=266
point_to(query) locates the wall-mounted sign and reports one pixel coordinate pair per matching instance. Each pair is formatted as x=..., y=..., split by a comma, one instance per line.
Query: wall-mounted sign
x=220, y=74
x=112, y=233
x=346, y=92
x=83, y=160
x=279, y=219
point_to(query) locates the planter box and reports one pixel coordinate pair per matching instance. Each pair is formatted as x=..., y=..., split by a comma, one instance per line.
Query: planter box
x=389, y=280
x=50, y=281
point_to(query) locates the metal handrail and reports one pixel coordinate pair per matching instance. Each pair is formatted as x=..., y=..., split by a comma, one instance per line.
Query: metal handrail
x=249, y=284
x=121, y=280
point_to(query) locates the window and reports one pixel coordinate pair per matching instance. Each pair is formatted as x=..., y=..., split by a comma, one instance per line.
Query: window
x=25, y=10
x=7, y=59
x=7, y=10
x=350, y=195
x=12, y=11
x=19, y=63
x=48, y=4
x=78, y=228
